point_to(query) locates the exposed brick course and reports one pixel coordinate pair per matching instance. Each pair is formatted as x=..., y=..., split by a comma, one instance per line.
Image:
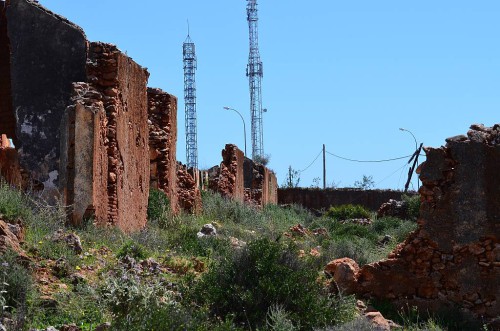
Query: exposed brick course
x=162, y=114
x=188, y=192
x=228, y=178
x=122, y=82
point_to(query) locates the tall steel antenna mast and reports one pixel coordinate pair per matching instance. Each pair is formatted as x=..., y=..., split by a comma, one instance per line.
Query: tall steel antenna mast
x=255, y=74
x=189, y=56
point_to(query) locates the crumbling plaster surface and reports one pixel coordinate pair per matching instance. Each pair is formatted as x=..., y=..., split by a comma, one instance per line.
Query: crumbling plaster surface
x=48, y=53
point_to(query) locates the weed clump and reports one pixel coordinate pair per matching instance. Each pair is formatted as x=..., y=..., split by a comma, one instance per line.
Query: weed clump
x=346, y=212
x=132, y=249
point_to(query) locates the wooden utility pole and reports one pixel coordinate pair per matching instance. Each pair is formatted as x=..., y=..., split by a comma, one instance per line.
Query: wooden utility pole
x=412, y=168
x=324, y=168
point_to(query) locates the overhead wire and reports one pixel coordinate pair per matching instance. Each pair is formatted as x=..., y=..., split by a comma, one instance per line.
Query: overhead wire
x=369, y=161
x=315, y=159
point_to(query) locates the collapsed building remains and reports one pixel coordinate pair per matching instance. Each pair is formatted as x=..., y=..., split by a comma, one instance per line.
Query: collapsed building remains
x=84, y=125
x=453, y=258
x=241, y=179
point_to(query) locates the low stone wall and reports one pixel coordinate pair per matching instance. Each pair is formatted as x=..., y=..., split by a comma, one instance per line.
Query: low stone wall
x=453, y=258
x=318, y=199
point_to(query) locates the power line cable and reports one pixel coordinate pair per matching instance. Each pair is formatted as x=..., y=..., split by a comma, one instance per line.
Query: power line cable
x=321, y=151
x=369, y=161
x=400, y=168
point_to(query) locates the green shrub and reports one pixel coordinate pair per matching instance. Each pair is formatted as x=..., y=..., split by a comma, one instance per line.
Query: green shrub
x=15, y=282
x=413, y=206
x=216, y=207
x=249, y=282
x=353, y=230
x=148, y=304
x=345, y=212
x=158, y=206
x=278, y=319
x=132, y=249
x=361, y=250
x=82, y=306
x=359, y=324
x=13, y=203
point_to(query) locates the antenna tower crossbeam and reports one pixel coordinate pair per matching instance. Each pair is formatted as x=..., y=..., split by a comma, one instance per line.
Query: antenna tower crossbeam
x=189, y=56
x=255, y=74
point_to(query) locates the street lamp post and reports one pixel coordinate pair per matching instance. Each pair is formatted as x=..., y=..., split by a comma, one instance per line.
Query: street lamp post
x=415, y=139
x=244, y=127
x=416, y=148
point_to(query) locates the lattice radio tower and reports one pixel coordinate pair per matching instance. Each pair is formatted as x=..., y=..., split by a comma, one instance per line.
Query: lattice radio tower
x=189, y=56
x=255, y=74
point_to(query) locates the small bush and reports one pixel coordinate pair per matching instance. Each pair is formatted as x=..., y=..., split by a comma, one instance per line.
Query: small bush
x=132, y=249
x=13, y=203
x=361, y=250
x=249, y=282
x=413, y=206
x=158, y=206
x=82, y=306
x=148, y=304
x=216, y=207
x=15, y=283
x=345, y=212
x=278, y=319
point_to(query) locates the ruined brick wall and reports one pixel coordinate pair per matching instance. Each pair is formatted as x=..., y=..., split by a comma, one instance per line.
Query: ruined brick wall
x=162, y=115
x=188, y=193
x=453, y=259
x=106, y=151
x=259, y=182
x=272, y=184
x=318, y=199
x=228, y=178
x=122, y=83
x=42, y=68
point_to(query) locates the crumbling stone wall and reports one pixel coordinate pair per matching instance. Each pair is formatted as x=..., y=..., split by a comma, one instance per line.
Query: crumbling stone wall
x=47, y=53
x=108, y=141
x=162, y=115
x=453, y=259
x=188, y=191
x=228, y=178
x=318, y=199
x=260, y=184
x=80, y=116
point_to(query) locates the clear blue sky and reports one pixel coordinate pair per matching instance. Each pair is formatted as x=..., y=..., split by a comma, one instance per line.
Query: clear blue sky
x=346, y=74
